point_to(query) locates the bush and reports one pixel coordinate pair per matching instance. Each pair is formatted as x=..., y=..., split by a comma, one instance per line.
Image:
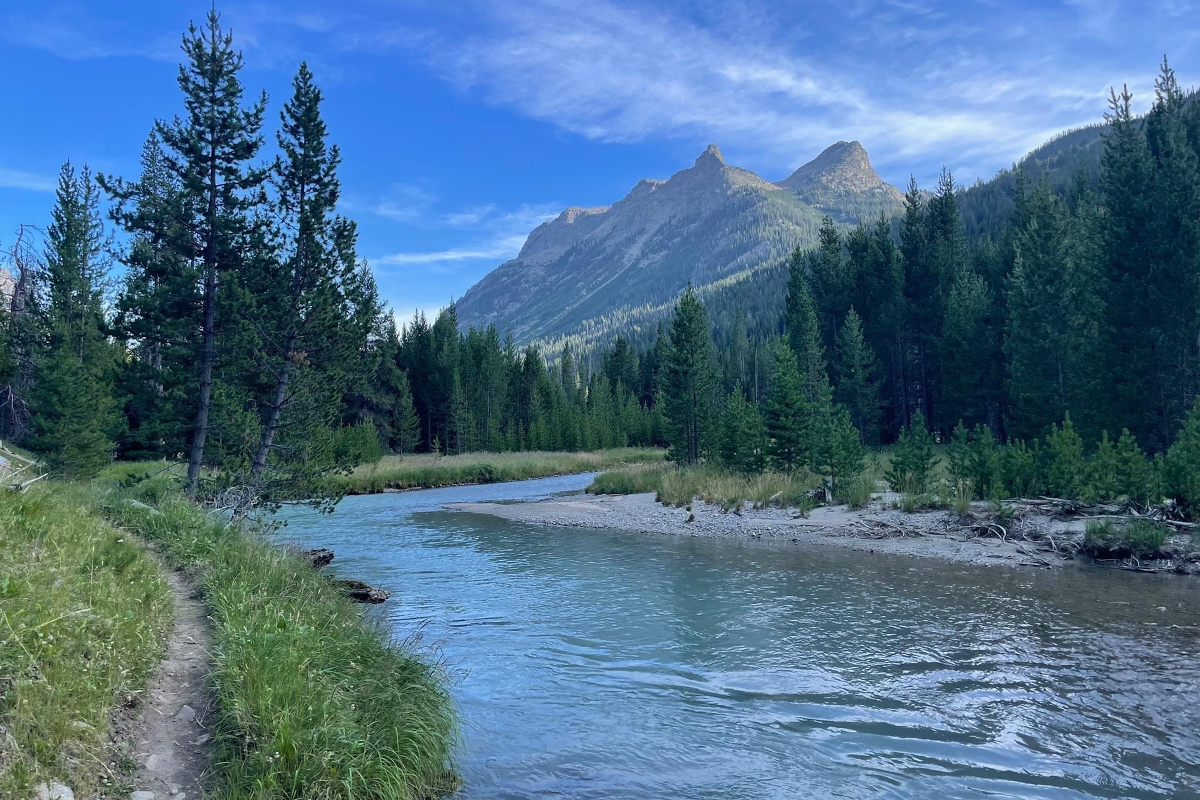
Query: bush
x=1018, y=469
x=855, y=493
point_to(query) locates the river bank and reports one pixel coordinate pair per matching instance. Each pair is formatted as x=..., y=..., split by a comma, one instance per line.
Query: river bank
x=394, y=473
x=1030, y=539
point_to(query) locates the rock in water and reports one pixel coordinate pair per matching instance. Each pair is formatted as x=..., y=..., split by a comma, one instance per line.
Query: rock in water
x=360, y=592
x=320, y=557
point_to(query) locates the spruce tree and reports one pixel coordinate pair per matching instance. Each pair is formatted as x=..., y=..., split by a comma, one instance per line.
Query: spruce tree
x=210, y=152
x=298, y=290
x=74, y=407
x=743, y=436
x=913, y=457
x=1066, y=468
x=787, y=414
x=689, y=381
x=857, y=388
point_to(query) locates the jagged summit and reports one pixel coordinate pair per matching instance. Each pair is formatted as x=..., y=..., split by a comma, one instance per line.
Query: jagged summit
x=710, y=156
x=844, y=166
x=841, y=170
x=707, y=224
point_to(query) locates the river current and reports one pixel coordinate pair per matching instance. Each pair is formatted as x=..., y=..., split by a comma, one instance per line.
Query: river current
x=594, y=664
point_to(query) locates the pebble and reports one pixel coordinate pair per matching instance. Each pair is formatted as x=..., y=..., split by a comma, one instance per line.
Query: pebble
x=142, y=796
x=186, y=714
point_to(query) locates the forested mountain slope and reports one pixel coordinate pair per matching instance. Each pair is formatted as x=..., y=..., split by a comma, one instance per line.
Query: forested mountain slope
x=592, y=272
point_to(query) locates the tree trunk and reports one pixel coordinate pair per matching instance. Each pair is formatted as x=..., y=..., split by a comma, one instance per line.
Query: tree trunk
x=273, y=415
x=196, y=456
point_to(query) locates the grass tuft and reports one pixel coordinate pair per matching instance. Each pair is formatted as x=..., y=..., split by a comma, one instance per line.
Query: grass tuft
x=314, y=700
x=679, y=486
x=428, y=471
x=84, y=613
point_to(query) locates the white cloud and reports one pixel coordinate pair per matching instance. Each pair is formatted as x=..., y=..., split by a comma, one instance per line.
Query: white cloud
x=909, y=80
x=491, y=234
x=18, y=179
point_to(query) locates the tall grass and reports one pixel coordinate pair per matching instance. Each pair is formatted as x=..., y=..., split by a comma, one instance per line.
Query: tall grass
x=83, y=616
x=428, y=471
x=679, y=486
x=313, y=700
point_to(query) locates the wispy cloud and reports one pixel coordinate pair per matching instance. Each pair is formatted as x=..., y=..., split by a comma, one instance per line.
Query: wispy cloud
x=908, y=79
x=18, y=179
x=490, y=235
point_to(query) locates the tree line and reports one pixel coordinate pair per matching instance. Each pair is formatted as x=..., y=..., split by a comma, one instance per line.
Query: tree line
x=246, y=335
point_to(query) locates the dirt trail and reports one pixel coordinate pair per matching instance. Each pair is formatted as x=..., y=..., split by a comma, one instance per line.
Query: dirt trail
x=171, y=740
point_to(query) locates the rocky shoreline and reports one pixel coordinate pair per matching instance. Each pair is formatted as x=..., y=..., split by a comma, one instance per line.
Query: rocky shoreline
x=1031, y=539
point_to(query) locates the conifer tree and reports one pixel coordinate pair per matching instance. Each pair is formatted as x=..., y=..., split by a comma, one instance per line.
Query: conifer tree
x=1135, y=474
x=210, y=152
x=300, y=308
x=787, y=414
x=73, y=399
x=839, y=455
x=857, y=388
x=742, y=435
x=689, y=381
x=911, y=470
x=1066, y=469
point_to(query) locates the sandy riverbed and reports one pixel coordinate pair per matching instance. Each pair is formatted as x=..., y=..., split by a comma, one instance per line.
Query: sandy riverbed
x=876, y=528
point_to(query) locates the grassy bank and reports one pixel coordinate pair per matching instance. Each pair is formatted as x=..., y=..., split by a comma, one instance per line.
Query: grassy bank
x=424, y=471
x=679, y=486
x=83, y=616
x=313, y=700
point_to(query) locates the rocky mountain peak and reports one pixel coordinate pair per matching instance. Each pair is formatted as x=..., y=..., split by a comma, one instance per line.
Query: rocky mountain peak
x=711, y=157
x=843, y=167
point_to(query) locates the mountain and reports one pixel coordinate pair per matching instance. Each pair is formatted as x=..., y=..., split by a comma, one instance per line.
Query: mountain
x=592, y=271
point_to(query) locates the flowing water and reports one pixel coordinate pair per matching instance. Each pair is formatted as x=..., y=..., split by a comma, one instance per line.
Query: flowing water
x=592, y=664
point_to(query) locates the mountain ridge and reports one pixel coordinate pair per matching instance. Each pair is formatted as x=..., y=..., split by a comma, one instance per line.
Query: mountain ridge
x=590, y=268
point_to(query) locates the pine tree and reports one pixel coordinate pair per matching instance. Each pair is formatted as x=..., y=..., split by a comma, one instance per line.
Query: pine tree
x=1182, y=466
x=839, y=453
x=689, y=381
x=966, y=350
x=787, y=414
x=209, y=152
x=857, y=388
x=742, y=435
x=1136, y=479
x=911, y=470
x=1102, y=472
x=73, y=396
x=300, y=306
x=1066, y=468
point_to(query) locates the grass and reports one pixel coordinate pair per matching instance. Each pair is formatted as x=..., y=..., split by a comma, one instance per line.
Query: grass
x=313, y=699
x=83, y=617
x=679, y=486
x=1140, y=537
x=428, y=471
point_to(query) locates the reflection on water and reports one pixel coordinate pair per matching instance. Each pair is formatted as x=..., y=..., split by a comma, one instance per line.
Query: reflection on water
x=621, y=665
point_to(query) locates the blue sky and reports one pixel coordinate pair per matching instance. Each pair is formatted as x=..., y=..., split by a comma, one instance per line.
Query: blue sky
x=465, y=123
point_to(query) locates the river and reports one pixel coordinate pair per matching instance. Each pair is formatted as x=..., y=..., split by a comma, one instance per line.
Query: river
x=593, y=664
